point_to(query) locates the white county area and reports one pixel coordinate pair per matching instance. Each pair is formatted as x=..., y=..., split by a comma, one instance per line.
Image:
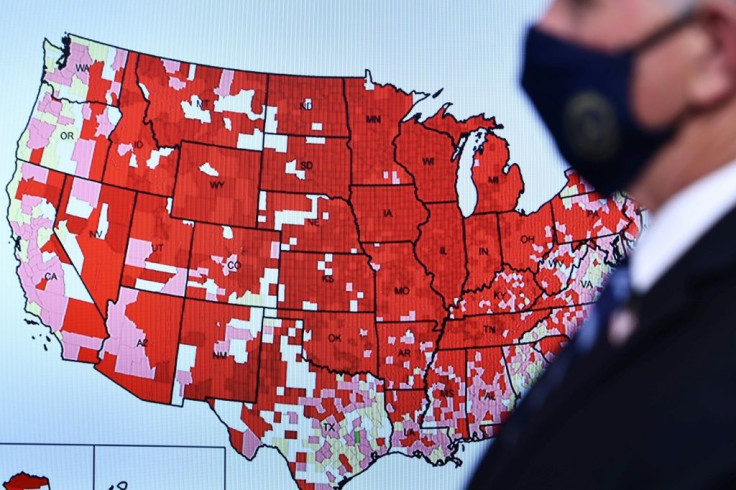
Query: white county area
x=156, y=468
x=471, y=49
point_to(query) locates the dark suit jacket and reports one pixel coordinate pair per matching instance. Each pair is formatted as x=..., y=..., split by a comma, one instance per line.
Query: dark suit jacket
x=657, y=412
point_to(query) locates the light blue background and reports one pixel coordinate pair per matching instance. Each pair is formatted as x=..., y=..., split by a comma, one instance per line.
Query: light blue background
x=469, y=48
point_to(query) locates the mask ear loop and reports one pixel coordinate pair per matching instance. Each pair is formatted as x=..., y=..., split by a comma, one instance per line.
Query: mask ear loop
x=682, y=21
x=664, y=32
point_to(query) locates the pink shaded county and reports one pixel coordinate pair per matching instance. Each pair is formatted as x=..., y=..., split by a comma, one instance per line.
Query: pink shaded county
x=49, y=105
x=524, y=362
x=121, y=56
x=171, y=66
x=489, y=389
x=184, y=379
x=177, y=284
x=124, y=339
x=226, y=81
x=39, y=133
x=138, y=252
x=51, y=300
x=124, y=149
x=251, y=443
x=104, y=125
x=78, y=54
x=86, y=191
x=223, y=346
x=430, y=443
x=39, y=174
x=176, y=84
x=82, y=154
x=73, y=342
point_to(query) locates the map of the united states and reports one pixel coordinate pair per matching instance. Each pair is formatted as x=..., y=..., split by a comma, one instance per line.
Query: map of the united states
x=337, y=273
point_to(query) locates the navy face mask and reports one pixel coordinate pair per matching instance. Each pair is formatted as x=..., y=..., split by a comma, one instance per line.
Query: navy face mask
x=584, y=99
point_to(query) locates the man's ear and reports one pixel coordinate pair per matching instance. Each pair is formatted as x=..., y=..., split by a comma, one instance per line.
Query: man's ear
x=714, y=77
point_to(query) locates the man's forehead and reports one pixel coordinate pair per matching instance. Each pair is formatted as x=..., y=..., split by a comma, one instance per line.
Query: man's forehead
x=628, y=5
x=635, y=6
x=610, y=24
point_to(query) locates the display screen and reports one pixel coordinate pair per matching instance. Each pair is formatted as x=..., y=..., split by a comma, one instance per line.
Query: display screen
x=279, y=245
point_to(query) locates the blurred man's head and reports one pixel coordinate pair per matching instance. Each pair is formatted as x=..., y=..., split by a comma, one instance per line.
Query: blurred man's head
x=680, y=87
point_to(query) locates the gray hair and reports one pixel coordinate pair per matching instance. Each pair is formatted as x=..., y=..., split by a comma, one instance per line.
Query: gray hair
x=681, y=5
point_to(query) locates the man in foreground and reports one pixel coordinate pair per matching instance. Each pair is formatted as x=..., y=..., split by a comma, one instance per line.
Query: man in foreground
x=640, y=96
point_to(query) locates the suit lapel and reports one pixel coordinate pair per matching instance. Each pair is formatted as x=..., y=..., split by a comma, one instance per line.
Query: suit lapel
x=714, y=255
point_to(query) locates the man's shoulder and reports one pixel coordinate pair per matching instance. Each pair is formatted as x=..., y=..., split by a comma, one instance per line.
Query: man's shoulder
x=660, y=407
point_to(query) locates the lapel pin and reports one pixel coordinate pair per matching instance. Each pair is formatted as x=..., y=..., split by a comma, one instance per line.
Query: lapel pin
x=621, y=325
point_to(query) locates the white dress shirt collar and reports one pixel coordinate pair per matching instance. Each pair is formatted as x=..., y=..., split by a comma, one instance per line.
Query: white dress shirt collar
x=679, y=223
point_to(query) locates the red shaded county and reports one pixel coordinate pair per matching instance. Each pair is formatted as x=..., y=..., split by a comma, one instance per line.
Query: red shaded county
x=344, y=342
x=53, y=246
x=375, y=112
x=526, y=239
x=402, y=286
x=406, y=350
x=483, y=244
x=510, y=291
x=575, y=184
x=102, y=237
x=217, y=185
x=226, y=363
x=587, y=216
x=49, y=190
x=567, y=320
x=407, y=406
x=82, y=318
x=570, y=297
x=388, y=213
x=134, y=161
x=447, y=391
x=555, y=271
x=159, y=318
x=279, y=337
x=447, y=123
x=225, y=267
x=309, y=106
x=169, y=240
x=309, y=166
x=634, y=212
x=173, y=86
x=24, y=481
x=549, y=347
x=428, y=157
x=345, y=462
x=489, y=330
x=442, y=251
x=310, y=223
x=499, y=184
x=326, y=282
